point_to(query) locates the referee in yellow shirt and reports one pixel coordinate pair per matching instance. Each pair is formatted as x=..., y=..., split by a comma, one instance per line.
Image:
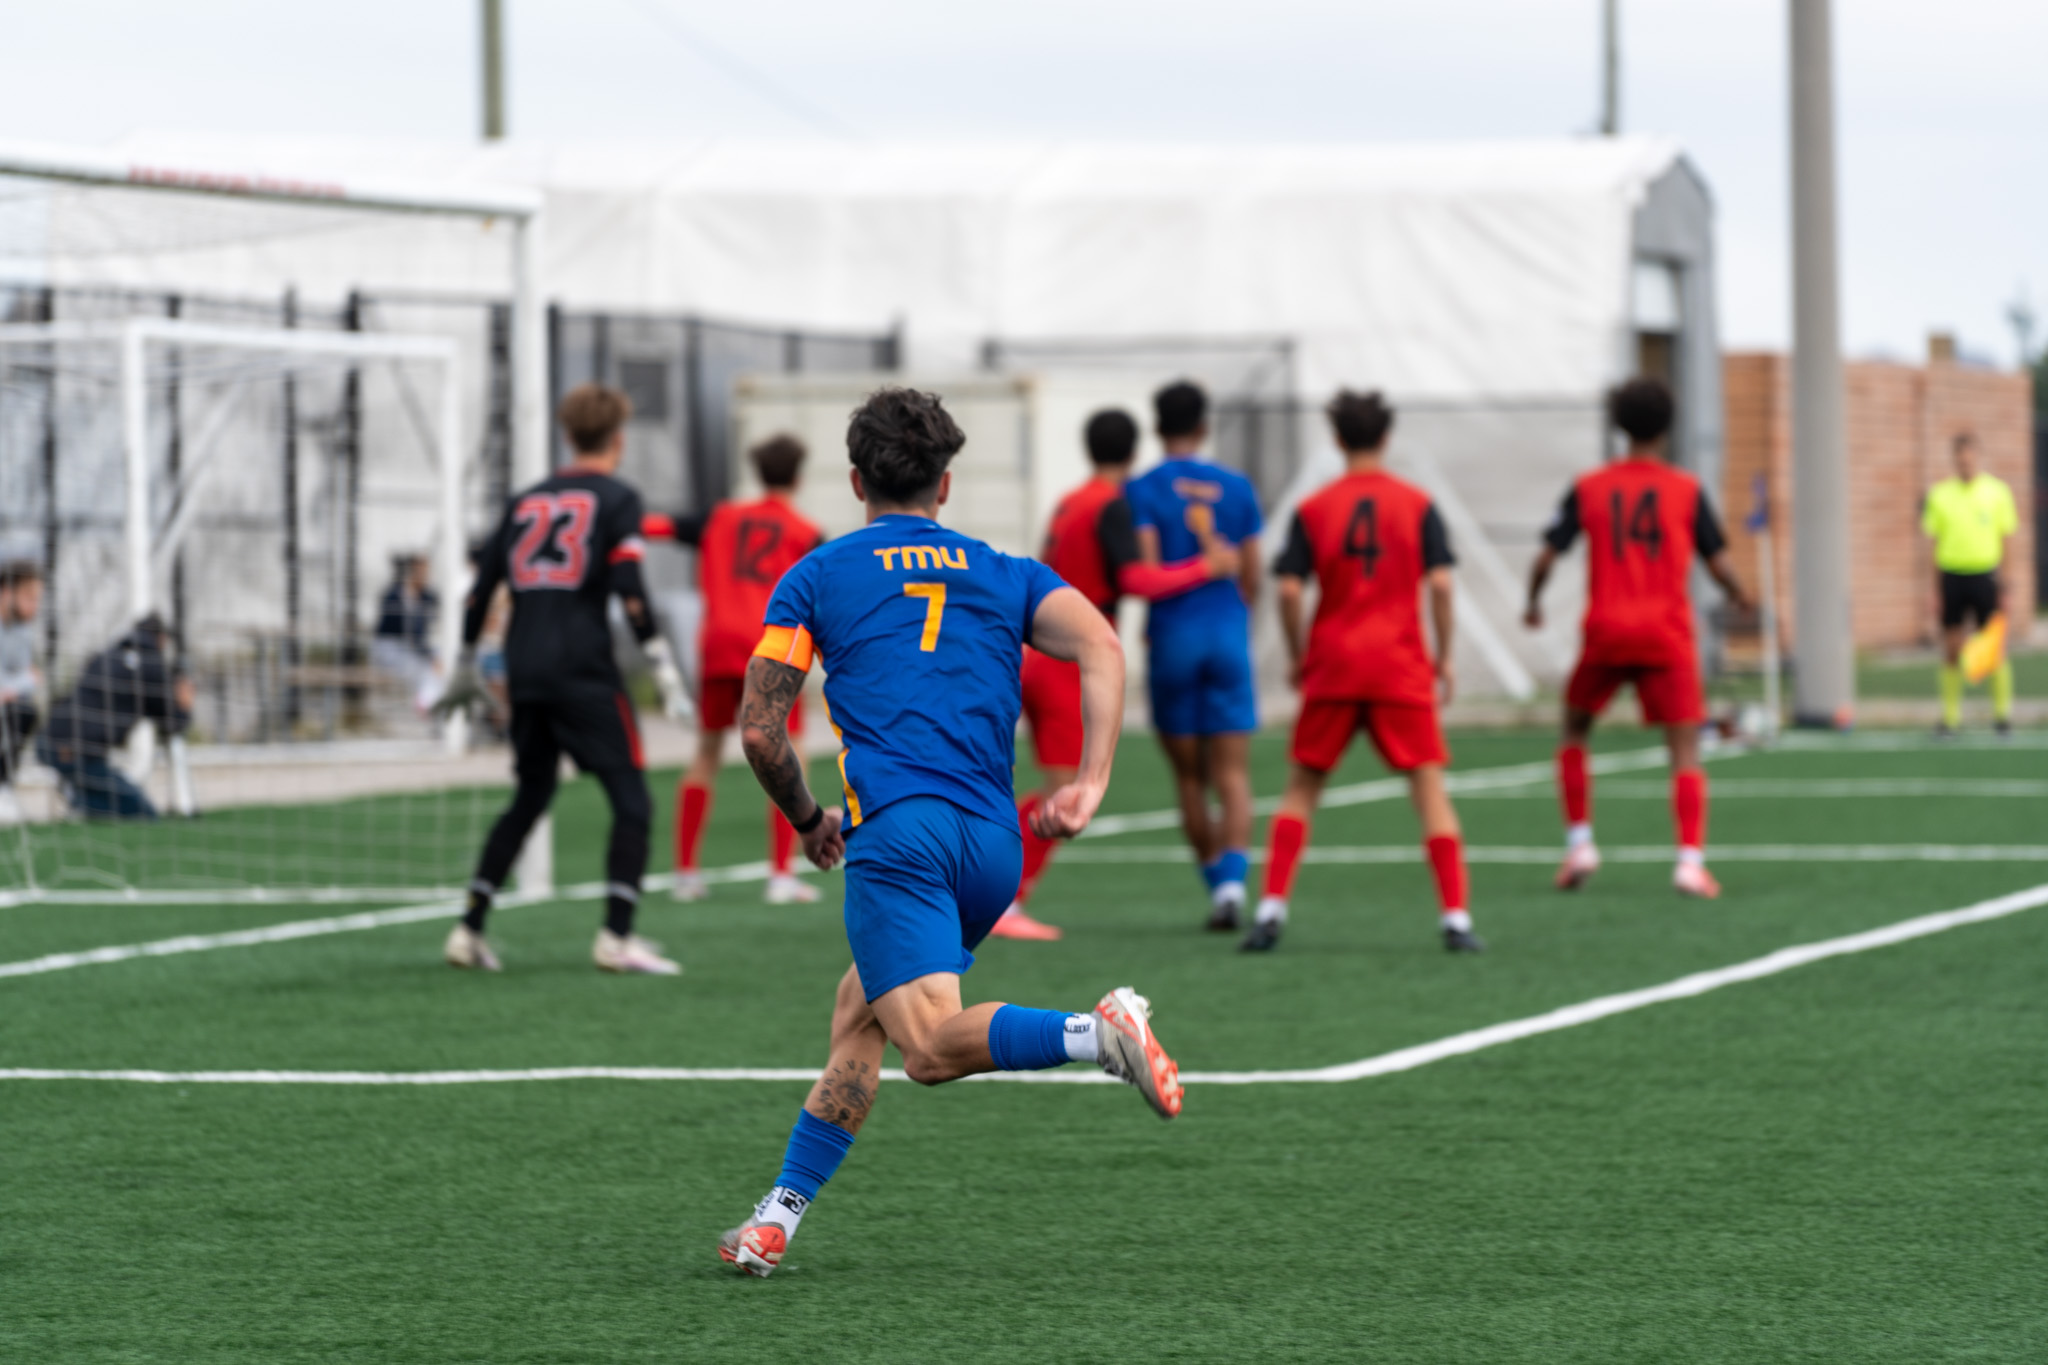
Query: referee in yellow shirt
x=1968, y=517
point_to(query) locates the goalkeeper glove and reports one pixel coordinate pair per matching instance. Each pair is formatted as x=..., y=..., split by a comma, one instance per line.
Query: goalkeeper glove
x=465, y=691
x=661, y=661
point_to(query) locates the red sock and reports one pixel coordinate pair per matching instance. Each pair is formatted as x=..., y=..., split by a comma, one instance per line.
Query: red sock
x=1574, y=784
x=781, y=842
x=693, y=807
x=1037, y=851
x=1689, y=807
x=1447, y=860
x=1285, y=838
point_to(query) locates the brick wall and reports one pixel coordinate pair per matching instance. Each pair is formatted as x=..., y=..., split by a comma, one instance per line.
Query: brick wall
x=1900, y=419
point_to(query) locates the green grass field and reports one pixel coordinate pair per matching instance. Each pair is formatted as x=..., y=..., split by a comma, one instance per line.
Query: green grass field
x=1843, y=1162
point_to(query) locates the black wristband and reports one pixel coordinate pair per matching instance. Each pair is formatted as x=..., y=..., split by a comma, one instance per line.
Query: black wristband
x=817, y=819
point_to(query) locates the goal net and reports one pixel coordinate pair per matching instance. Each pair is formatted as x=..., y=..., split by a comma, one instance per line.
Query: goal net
x=251, y=539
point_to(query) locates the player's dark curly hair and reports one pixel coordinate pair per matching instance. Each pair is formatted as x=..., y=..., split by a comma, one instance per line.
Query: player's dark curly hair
x=778, y=459
x=1182, y=409
x=1112, y=437
x=1642, y=408
x=1361, y=420
x=901, y=441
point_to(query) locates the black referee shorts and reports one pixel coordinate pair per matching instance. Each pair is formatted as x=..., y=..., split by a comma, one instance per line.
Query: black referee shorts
x=1966, y=595
x=594, y=727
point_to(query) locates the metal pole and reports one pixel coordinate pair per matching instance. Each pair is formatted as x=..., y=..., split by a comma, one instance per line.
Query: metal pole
x=1824, y=686
x=174, y=403
x=290, y=518
x=135, y=447
x=351, y=492
x=451, y=550
x=53, y=518
x=493, y=35
x=1610, y=68
x=531, y=328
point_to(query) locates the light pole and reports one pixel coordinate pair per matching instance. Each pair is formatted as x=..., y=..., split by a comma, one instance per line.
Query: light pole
x=493, y=38
x=1610, y=67
x=1824, y=687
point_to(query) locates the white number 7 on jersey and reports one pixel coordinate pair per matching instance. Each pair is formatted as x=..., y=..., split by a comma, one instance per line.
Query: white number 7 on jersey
x=934, y=595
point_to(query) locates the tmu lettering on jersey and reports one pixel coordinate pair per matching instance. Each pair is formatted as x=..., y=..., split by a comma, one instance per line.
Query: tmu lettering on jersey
x=924, y=556
x=554, y=548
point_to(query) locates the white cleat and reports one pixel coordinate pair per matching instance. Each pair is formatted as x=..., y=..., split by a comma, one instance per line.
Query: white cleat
x=688, y=886
x=632, y=955
x=1129, y=1052
x=1580, y=863
x=786, y=888
x=466, y=948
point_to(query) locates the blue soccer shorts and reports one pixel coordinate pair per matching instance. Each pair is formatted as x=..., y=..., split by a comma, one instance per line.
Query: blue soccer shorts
x=925, y=882
x=1201, y=682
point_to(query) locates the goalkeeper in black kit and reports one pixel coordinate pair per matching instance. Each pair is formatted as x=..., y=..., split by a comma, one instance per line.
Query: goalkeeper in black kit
x=565, y=547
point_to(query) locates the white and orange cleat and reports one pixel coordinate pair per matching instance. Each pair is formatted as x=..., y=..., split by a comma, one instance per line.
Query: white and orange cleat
x=1129, y=1052
x=1691, y=878
x=466, y=948
x=1581, y=861
x=786, y=888
x=631, y=955
x=755, y=1247
x=1016, y=924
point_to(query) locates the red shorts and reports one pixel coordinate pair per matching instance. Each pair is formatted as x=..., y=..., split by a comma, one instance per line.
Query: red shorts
x=1670, y=694
x=1406, y=736
x=718, y=705
x=1052, y=703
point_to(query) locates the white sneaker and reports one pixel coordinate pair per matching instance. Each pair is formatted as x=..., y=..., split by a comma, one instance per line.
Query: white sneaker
x=466, y=948
x=631, y=954
x=688, y=886
x=1580, y=863
x=786, y=888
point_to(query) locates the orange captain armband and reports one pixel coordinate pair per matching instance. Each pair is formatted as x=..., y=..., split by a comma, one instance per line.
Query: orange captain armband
x=787, y=645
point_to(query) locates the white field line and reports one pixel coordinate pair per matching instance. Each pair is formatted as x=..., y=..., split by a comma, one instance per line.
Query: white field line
x=1830, y=787
x=1387, y=1063
x=1396, y=788
x=1893, y=741
x=336, y=924
x=1544, y=855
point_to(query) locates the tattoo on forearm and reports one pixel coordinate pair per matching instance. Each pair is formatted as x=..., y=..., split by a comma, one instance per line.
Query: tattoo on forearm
x=844, y=1095
x=771, y=691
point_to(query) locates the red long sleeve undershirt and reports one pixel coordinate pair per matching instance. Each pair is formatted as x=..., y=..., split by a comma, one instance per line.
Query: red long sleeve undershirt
x=1154, y=581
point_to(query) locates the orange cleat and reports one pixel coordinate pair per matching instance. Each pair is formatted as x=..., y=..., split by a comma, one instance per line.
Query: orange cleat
x=1580, y=863
x=1129, y=1052
x=1016, y=924
x=1693, y=879
x=756, y=1248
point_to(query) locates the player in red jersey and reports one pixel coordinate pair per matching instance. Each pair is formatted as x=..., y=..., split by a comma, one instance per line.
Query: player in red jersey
x=1643, y=521
x=743, y=549
x=1373, y=544
x=1092, y=544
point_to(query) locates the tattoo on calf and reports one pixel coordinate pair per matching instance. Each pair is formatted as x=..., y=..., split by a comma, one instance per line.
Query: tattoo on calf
x=771, y=691
x=844, y=1095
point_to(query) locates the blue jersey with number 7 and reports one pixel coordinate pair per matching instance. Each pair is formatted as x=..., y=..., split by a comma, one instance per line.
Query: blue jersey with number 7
x=1182, y=500
x=921, y=632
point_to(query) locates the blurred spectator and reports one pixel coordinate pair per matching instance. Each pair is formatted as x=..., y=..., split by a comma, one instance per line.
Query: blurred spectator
x=403, y=644
x=130, y=682
x=21, y=601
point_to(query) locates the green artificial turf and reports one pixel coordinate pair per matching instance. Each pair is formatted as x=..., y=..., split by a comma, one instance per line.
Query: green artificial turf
x=1841, y=1163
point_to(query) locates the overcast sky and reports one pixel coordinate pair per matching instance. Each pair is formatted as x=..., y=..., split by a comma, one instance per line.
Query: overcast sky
x=1943, y=107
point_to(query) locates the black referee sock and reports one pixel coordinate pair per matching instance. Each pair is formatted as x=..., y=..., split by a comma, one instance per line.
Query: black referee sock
x=620, y=903
x=479, y=906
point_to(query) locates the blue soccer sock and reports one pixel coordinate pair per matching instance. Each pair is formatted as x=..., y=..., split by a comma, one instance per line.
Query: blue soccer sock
x=1231, y=866
x=1022, y=1039
x=815, y=1150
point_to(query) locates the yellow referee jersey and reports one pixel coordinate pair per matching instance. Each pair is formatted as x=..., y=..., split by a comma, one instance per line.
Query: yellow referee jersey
x=1969, y=522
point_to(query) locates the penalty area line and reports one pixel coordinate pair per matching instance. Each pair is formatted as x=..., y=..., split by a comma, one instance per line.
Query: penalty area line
x=1386, y=1064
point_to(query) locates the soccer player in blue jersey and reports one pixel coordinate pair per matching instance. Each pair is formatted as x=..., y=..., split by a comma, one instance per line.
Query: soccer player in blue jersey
x=922, y=633
x=1204, y=707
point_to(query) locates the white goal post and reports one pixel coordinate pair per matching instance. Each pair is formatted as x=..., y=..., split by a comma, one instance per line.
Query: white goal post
x=520, y=207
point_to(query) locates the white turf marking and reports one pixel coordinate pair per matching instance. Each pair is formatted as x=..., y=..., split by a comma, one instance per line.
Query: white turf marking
x=1396, y=788
x=1544, y=855
x=1796, y=786
x=1387, y=1063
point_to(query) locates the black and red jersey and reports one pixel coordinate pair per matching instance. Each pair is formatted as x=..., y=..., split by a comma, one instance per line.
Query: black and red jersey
x=1643, y=521
x=565, y=546
x=1369, y=540
x=1091, y=540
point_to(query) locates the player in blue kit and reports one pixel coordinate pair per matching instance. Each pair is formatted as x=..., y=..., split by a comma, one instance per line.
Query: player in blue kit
x=922, y=632
x=1204, y=707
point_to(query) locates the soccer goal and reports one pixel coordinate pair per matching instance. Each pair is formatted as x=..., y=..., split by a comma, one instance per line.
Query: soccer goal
x=253, y=540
